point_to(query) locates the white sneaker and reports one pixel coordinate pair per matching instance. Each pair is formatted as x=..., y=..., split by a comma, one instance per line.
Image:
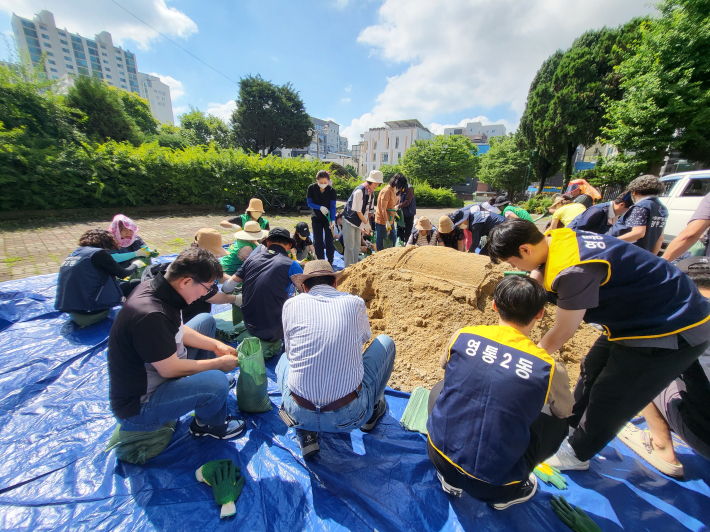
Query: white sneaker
x=566, y=460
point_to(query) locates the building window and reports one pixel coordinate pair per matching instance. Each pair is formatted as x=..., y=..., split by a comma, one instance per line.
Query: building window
x=107, y=69
x=81, y=63
x=109, y=76
x=103, y=47
x=104, y=54
x=62, y=33
x=396, y=143
x=53, y=69
x=50, y=53
x=123, y=79
x=385, y=158
x=28, y=24
x=123, y=87
x=105, y=61
x=93, y=52
x=65, y=50
x=91, y=44
x=118, y=58
x=131, y=69
x=43, y=27
x=76, y=39
x=84, y=71
x=63, y=42
x=45, y=36
x=122, y=73
x=374, y=144
x=51, y=62
x=70, y=66
x=55, y=77
x=67, y=58
x=47, y=44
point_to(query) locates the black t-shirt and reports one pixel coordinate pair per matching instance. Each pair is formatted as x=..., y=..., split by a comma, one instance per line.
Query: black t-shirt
x=322, y=198
x=144, y=332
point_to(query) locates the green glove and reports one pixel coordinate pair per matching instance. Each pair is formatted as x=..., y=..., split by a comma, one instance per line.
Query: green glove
x=573, y=517
x=550, y=475
x=226, y=482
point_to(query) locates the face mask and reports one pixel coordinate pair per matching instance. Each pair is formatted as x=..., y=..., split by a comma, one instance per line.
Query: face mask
x=322, y=187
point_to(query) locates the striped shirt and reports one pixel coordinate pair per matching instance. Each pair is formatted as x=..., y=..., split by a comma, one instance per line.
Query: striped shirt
x=324, y=332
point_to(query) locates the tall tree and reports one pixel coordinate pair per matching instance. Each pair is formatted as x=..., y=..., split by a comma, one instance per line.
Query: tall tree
x=539, y=131
x=666, y=83
x=139, y=110
x=444, y=161
x=505, y=166
x=269, y=116
x=106, y=118
x=201, y=129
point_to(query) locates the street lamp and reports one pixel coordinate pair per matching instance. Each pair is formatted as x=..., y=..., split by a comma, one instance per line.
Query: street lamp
x=312, y=132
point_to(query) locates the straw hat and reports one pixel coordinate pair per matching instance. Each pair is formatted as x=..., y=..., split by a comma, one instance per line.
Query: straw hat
x=251, y=232
x=255, y=205
x=423, y=224
x=211, y=240
x=445, y=225
x=315, y=268
x=375, y=176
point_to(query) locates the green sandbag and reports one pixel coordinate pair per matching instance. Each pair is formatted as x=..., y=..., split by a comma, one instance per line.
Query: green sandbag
x=252, y=384
x=698, y=249
x=227, y=331
x=268, y=349
x=415, y=414
x=137, y=447
x=400, y=219
x=139, y=272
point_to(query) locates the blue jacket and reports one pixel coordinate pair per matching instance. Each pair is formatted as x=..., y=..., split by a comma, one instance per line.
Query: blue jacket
x=410, y=210
x=495, y=386
x=643, y=296
x=349, y=214
x=657, y=216
x=480, y=224
x=83, y=288
x=594, y=219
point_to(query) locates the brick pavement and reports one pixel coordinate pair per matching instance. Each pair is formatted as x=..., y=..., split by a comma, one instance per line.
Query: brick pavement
x=40, y=248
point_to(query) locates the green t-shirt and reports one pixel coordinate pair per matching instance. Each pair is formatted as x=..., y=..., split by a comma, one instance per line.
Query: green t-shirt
x=520, y=213
x=246, y=217
x=231, y=262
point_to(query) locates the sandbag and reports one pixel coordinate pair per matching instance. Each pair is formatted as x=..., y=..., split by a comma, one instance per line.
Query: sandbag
x=415, y=414
x=252, y=385
x=137, y=447
x=268, y=349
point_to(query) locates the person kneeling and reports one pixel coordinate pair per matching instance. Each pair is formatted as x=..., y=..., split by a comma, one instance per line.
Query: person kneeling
x=160, y=369
x=327, y=384
x=502, y=406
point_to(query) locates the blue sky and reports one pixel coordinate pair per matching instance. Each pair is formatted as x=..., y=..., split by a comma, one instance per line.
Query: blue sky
x=357, y=62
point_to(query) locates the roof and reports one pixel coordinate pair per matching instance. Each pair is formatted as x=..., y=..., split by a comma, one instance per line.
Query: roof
x=406, y=124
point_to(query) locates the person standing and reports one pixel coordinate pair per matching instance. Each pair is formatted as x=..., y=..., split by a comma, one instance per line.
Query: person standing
x=356, y=216
x=408, y=204
x=321, y=199
x=644, y=222
x=384, y=213
x=697, y=226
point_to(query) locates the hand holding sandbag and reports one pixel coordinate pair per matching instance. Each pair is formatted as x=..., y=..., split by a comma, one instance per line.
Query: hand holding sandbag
x=573, y=517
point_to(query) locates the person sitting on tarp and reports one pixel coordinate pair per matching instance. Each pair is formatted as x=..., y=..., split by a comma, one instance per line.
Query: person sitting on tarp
x=304, y=245
x=131, y=246
x=656, y=321
x=600, y=218
x=563, y=211
x=245, y=241
x=683, y=406
x=643, y=223
x=254, y=211
x=423, y=234
x=449, y=235
x=582, y=192
x=88, y=284
x=327, y=383
x=267, y=280
x=159, y=369
x=502, y=407
x=480, y=223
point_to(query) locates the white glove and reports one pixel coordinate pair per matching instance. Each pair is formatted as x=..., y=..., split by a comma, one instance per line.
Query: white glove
x=229, y=285
x=325, y=211
x=141, y=252
x=238, y=300
x=237, y=227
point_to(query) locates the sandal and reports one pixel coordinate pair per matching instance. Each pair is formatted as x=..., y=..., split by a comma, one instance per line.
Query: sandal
x=640, y=442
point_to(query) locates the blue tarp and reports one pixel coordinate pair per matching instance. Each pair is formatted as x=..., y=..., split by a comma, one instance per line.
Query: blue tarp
x=55, y=423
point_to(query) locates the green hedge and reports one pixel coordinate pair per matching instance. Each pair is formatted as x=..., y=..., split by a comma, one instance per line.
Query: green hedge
x=538, y=204
x=426, y=196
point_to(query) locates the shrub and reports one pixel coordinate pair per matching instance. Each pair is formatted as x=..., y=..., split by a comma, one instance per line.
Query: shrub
x=538, y=204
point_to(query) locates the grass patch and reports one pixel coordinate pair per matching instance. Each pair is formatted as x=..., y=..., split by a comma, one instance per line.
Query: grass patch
x=54, y=258
x=11, y=260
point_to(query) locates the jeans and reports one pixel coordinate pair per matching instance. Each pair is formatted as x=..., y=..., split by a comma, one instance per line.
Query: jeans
x=378, y=361
x=351, y=243
x=381, y=234
x=320, y=231
x=206, y=392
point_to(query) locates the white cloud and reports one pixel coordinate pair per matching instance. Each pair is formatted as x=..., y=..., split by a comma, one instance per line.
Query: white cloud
x=90, y=18
x=438, y=129
x=341, y=4
x=176, y=88
x=462, y=54
x=344, y=100
x=348, y=88
x=177, y=111
x=222, y=110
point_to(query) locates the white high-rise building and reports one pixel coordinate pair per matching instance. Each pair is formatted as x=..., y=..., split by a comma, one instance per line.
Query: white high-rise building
x=387, y=145
x=71, y=54
x=478, y=132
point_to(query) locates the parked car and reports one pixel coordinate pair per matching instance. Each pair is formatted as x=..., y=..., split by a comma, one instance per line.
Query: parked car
x=681, y=196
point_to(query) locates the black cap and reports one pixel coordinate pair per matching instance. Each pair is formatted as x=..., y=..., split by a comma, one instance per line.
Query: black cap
x=281, y=233
x=302, y=229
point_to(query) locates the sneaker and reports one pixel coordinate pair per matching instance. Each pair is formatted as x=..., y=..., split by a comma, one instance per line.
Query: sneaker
x=308, y=442
x=377, y=413
x=448, y=488
x=232, y=381
x=527, y=490
x=566, y=460
x=230, y=429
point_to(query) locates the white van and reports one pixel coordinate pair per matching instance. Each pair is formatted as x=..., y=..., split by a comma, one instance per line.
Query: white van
x=682, y=195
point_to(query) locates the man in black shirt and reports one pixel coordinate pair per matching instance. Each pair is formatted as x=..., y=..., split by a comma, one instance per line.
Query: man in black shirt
x=153, y=376
x=321, y=199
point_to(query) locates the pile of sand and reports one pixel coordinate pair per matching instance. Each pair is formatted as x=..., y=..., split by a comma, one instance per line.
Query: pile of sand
x=421, y=296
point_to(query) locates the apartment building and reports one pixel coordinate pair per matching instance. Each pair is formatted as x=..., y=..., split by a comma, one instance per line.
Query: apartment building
x=477, y=131
x=387, y=145
x=69, y=54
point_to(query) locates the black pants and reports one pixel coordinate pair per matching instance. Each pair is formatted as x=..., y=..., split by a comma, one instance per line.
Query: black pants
x=320, y=230
x=128, y=286
x=407, y=231
x=615, y=383
x=546, y=435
